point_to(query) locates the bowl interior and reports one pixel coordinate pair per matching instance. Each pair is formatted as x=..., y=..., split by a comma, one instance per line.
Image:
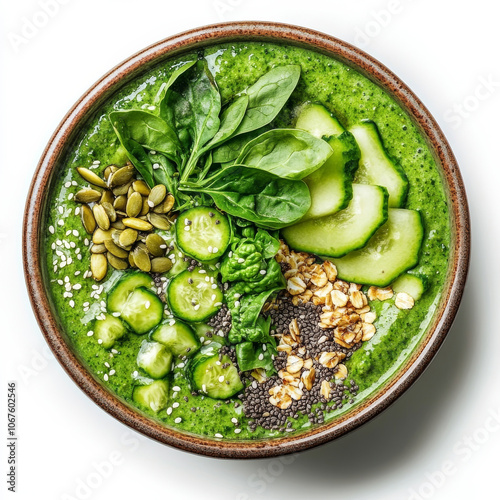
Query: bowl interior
x=70, y=128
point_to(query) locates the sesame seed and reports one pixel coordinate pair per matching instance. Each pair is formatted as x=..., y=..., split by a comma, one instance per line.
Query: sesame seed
x=217, y=435
x=221, y=378
x=240, y=260
x=106, y=376
x=175, y=405
x=234, y=420
x=71, y=303
x=99, y=341
x=112, y=372
x=237, y=303
x=263, y=271
x=107, y=365
x=178, y=420
x=90, y=333
x=169, y=411
x=237, y=431
x=156, y=166
x=186, y=228
x=196, y=307
x=176, y=388
x=215, y=250
x=261, y=356
x=214, y=286
x=147, y=304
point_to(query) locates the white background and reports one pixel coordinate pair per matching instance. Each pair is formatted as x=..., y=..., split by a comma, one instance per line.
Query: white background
x=447, y=52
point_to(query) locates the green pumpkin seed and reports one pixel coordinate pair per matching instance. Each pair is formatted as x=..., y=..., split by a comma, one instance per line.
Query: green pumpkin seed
x=110, y=211
x=98, y=248
x=137, y=224
x=128, y=237
x=154, y=243
x=117, y=263
x=120, y=203
x=115, y=249
x=145, y=207
x=98, y=266
x=88, y=219
x=109, y=170
x=157, y=195
x=165, y=206
x=121, y=177
x=161, y=265
x=118, y=224
x=141, y=258
x=122, y=190
x=134, y=205
x=141, y=187
x=99, y=236
x=101, y=217
x=107, y=197
x=131, y=260
x=91, y=177
x=87, y=195
x=159, y=221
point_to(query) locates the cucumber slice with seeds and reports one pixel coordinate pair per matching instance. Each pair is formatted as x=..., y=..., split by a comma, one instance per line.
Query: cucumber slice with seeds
x=393, y=249
x=118, y=295
x=178, y=338
x=412, y=284
x=345, y=231
x=108, y=330
x=142, y=311
x=154, y=358
x=203, y=233
x=191, y=295
x=318, y=121
x=153, y=396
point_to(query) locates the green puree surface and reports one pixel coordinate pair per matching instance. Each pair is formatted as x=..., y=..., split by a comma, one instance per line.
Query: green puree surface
x=351, y=97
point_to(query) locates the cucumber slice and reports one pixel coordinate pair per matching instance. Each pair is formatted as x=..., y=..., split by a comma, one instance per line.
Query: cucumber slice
x=178, y=338
x=108, y=330
x=191, y=296
x=345, y=231
x=142, y=311
x=216, y=378
x=318, y=121
x=153, y=396
x=179, y=264
x=376, y=167
x=203, y=233
x=393, y=249
x=412, y=284
x=118, y=295
x=154, y=358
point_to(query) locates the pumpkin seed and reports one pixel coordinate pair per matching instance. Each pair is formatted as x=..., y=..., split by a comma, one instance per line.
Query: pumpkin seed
x=141, y=187
x=88, y=219
x=154, y=243
x=141, y=258
x=165, y=206
x=121, y=177
x=161, y=265
x=120, y=203
x=128, y=237
x=115, y=249
x=98, y=266
x=134, y=205
x=157, y=195
x=131, y=260
x=99, y=236
x=138, y=224
x=91, y=177
x=87, y=195
x=101, y=217
x=118, y=224
x=121, y=190
x=110, y=211
x=117, y=263
x=145, y=207
x=98, y=248
x=109, y=170
x=159, y=221
x=107, y=197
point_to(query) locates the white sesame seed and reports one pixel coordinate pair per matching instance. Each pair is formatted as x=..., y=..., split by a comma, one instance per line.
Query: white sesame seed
x=240, y=260
x=106, y=376
x=70, y=196
x=99, y=341
x=172, y=322
x=214, y=286
x=90, y=333
x=237, y=303
x=169, y=411
x=237, y=295
x=209, y=249
x=147, y=304
x=196, y=307
x=180, y=365
x=156, y=166
x=171, y=256
x=207, y=279
x=76, y=233
x=237, y=431
x=221, y=378
x=175, y=405
x=67, y=184
x=214, y=297
x=114, y=351
x=60, y=210
x=74, y=183
x=254, y=384
x=112, y=372
x=264, y=347
x=230, y=254
x=261, y=356
x=204, y=388
x=77, y=211
x=176, y=388
x=163, y=247
x=107, y=365
x=234, y=420
x=262, y=271
x=202, y=271
x=217, y=304
x=60, y=222
x=178, y=420
x=217, y=435
x=186, y=228
x=215, y=250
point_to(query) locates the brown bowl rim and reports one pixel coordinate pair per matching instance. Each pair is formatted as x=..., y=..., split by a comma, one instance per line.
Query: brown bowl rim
x=183, y=42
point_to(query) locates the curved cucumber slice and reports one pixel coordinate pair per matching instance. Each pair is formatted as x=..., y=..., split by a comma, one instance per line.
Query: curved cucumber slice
x=393, y=249
x=179, y=264
x=412, y=284
x=108, y=330
x=154, y=358
x=178, y=338
x=216, y=378
x=142, y=311
x=376, y=167
x=318, y=121
x=203, y=233
x=153, y=396
x=118, y=295
x=192, y=297
x=345, y=231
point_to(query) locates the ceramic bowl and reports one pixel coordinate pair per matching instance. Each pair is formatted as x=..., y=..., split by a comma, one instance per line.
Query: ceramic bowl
x=246, y=31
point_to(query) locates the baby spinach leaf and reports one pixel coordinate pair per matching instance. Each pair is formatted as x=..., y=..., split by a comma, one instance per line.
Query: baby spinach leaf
x=173, y=77
x=267, y=96
x=258, y=196
x=229, y=151
x=251, y=355
x=146, y=129
x=288, y=153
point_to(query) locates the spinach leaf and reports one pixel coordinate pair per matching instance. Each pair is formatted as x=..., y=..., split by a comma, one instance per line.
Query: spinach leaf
x=288, y=153
x=229, y=151
x=251, y=355
x=267, y=96
x=164, y=172
x=230, y=119
x=160, y=97
x=146, y=129
x=268, y=244
x=258, y=196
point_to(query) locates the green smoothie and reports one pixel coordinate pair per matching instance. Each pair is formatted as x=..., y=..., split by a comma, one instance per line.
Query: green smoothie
x=351, y=97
